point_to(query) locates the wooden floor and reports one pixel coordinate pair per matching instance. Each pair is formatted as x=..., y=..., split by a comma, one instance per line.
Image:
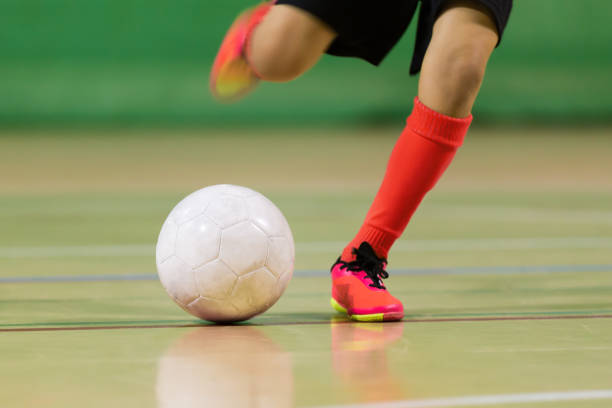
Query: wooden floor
x=505, y=273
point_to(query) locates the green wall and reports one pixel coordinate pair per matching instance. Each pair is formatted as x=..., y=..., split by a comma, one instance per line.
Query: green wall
x=147, y=62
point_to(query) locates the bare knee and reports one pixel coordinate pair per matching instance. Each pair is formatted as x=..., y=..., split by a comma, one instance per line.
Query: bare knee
x=450, y=84
x=456, y=59
x=273, y=60
x=287, y=43
x=464, y=73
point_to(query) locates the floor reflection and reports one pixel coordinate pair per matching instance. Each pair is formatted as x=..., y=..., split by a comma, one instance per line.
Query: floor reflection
x=359, y=359
x=225, y=366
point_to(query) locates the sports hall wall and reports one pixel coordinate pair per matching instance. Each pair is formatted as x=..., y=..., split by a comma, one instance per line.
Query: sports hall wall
x=146, y=62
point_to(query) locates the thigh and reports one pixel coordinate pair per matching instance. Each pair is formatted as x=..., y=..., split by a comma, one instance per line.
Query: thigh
x=464, y=24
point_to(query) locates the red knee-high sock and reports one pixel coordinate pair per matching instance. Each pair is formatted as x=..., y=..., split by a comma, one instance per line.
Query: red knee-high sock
x=420, y=156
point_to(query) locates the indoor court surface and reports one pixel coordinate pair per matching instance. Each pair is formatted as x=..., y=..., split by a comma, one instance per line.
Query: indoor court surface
x=505, y=273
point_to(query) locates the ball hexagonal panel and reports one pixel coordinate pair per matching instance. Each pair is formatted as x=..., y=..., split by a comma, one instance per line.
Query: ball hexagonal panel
x=166, y=241
x=267, y=216
x=283, y=281
x=255, y=292
x=280, y=255
x=192, y=206
x=227, y=210
x=244, y=248
x=214, y=310
x=215, y=280
x=236, y=191
x=197, y=241
x=178, y=280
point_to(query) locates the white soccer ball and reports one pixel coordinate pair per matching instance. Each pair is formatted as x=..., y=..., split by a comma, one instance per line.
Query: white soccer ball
x=225, y=253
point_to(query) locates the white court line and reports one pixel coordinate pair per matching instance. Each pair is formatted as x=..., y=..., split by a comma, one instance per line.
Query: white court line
x=483, y=244
x=76, y=251
x=476, y=400
x=540, y=349
x=431, y=245
x=562, y=216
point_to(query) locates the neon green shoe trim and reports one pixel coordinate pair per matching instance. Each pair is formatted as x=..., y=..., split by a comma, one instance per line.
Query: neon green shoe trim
x=374, y=317
x=337, y=306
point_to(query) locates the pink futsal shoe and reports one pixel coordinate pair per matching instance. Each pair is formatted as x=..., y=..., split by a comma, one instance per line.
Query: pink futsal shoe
x=358, y=291
x=231, y=76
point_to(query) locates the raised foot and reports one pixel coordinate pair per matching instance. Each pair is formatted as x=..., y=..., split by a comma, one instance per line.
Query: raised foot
x=231, y=76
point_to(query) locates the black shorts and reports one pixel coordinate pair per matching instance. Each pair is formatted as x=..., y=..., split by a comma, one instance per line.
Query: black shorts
x=370, y=29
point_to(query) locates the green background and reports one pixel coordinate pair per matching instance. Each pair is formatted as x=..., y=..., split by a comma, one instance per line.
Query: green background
x=147, y=62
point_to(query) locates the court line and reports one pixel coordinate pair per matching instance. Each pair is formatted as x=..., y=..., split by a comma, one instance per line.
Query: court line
x=529, y=214
x=77, y=251
x=497, y=399
x=481, y=270
x=502, y=318
x=474, y=244
x=411, y=318
x=87, y=328
x=79, y=278
x=540, y=349
x=476, y=270
x=426, y=245
x=296, y=323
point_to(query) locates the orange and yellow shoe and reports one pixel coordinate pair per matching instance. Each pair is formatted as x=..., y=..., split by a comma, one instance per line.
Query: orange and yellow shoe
x=358, y=291
x=231, y=76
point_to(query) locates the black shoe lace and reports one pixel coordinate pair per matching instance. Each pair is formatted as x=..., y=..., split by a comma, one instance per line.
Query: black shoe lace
x=367, y=261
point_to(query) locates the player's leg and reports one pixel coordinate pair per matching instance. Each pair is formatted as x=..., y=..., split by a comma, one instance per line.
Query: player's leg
x=464, y=36
x=287, y=43
x=270, y=42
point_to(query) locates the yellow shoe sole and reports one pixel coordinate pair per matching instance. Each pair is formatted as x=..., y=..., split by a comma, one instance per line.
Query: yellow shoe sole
x=374, y=317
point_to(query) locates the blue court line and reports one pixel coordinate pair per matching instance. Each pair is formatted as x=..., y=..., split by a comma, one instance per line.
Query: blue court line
x=474, y=270
x=483, y=270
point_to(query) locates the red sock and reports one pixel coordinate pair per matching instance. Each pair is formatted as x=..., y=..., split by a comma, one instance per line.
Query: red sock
x=420, y=156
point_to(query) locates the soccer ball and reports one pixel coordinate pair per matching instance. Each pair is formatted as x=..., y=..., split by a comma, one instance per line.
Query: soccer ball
x=225, y=253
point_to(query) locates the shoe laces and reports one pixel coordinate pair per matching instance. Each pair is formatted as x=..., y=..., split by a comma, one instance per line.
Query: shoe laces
x=367, y=261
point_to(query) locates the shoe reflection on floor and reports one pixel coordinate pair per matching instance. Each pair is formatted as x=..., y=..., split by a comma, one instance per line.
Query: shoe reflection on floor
x=225, y=366
x=359, y=359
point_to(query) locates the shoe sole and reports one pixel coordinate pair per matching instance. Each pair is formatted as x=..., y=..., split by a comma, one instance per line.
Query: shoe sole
x=225, y=90
x=373, y=317
x=228, y=91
